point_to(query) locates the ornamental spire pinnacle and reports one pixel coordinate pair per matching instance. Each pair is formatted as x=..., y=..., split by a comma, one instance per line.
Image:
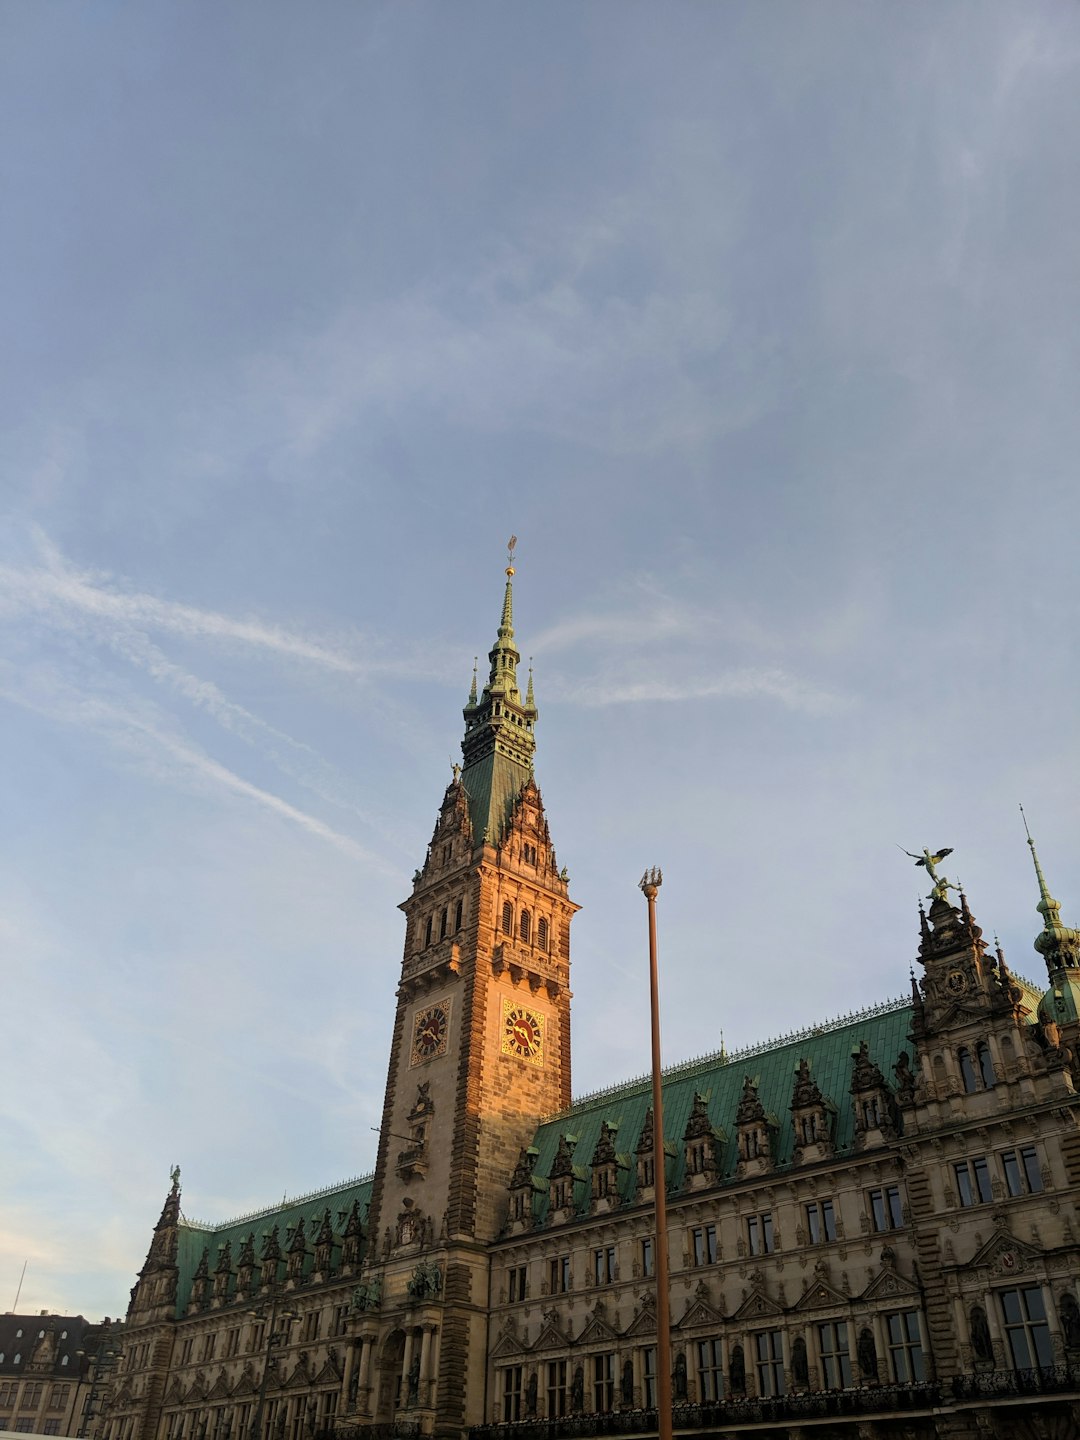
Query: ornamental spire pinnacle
x=499, y=741
x=1057, y=943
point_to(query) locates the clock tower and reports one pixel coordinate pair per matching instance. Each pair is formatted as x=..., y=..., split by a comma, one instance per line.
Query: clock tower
x=480, y=1052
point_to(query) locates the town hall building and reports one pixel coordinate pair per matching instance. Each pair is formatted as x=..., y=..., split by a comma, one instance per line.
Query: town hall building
x=872, y=1224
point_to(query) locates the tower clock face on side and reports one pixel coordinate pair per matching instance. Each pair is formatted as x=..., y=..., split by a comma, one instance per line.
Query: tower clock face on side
x=431, y=1027
x=522, y=1033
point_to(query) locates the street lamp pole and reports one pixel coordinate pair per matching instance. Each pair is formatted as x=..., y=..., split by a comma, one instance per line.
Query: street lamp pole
x=272, y=1339
x=650, y=884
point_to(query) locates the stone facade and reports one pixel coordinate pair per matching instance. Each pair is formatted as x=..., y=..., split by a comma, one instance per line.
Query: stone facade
x=872, y=1224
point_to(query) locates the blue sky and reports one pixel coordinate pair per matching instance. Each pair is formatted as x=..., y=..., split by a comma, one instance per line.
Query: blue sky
x=757, y=324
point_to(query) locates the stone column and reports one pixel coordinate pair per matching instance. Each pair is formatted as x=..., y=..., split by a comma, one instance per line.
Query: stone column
x=363, y=1382
x=406, y=1366
x=424, y=1392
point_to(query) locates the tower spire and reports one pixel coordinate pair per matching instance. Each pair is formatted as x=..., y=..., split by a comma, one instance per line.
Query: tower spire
x=499, y=742
x=1057, y=943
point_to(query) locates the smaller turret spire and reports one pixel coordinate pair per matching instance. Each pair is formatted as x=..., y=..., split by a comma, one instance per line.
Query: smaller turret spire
x=472, y=688
x=530, y=703
x=1057, y=943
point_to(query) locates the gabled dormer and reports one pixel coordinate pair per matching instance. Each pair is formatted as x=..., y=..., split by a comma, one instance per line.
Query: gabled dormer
x=703, y=1147
x=200, y=1284
x=223, y=1274
x=873, y=1104
x=755, y=1132
x=245, y=1267
x=352, y=1239
x=561, y=1182
x=324, y=1246
x=522, y=1190
x=607, y=1170
x=813, y=1118
x=298, y=1252
x=270, y=1258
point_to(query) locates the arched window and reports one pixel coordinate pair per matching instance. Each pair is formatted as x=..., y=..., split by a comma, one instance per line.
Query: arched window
x=525, y=926
x=63, y=1334
x=986, y=1066
x=542, y=933
x=967, y=1071
x=429, y=930
x=18, y=1357
x=871, y=1113
x=457, y=916
x=18, y=1333
x=64, y=1361
x=445, y=926
x=507, y=918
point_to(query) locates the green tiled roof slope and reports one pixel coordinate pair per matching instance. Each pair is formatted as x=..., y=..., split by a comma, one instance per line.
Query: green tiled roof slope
x=195, y=1237
x=828, y=1048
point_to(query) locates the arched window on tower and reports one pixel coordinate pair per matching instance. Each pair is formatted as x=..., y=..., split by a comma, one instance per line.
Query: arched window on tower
x=525, y=925
x=445, y=926
x=429, y=929
x=457, y=916
x=507, y=918
x=967, y=1071
x=986, y=1065
x=542, y=933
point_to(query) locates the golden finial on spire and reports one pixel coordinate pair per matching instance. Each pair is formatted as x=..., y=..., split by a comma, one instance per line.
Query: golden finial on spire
x=511, y=546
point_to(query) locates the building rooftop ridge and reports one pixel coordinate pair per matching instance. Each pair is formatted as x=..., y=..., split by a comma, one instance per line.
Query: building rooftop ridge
x=710, y=1061
x=289, y=1202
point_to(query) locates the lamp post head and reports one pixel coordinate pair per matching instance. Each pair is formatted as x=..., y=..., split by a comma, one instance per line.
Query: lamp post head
x=650, y=882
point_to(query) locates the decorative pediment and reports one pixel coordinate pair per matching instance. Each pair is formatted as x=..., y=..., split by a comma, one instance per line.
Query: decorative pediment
x=551, y=1337
x=220, y=1389
x=821, y=1292
x=597, y=1329
x=246, y=1383
x=331, y=1370
x=198, y=1387
x=508, y=1344
x=174, y=1394
x=699, y=1312
x=300, y=1378
x=1005, y=1255
x=887, y=1283
x=757, y=1304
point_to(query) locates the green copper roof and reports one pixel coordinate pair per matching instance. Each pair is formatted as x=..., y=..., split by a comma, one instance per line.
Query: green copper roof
x=499, y=738
x=195, y=1237
x=828, y=1048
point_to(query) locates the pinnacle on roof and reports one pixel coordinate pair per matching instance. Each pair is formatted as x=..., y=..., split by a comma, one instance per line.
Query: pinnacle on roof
x=1057, y=943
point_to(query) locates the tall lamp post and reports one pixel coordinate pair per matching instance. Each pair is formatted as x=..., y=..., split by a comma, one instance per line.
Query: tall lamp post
x=650, y=884
x=273, y=1337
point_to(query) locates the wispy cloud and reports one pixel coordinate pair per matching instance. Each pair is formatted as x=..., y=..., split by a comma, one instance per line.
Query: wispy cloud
x=740, y=684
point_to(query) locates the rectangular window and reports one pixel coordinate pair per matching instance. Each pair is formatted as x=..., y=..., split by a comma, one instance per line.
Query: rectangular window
x=710, y=1378
x=604, y=1265
x=885, y=1208
x=311, y=1325
x=7, y=1392
x=25, y=1425
x=1026, y=1328
x=835, y=1360
x=769, y=1359
x=820, y=1221
x=516, y=1286
x=603, y=1368
x=905, y=1348
x=647, y=1257
x=973, y=1181
x=341, y=1319
x=759, y=1234
x=258, y=1335
x=232, y=1342
x=209, y=1345
x=1021, y=1169
x=31, y=1396
x=51, y=1427
x=645, y=1171
x=511, y=1388
x=704, y=1244
x=556, y=1389
x=58, y=1396
x=648, y=1377
x=560, y=1275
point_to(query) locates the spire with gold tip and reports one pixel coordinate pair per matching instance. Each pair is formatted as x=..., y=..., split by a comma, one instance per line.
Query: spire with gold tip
x=1059, y=945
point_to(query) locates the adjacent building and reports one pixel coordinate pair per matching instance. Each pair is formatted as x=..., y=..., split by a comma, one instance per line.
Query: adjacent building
x=872, y=1223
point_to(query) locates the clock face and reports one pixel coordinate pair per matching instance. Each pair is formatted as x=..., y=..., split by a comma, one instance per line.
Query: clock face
x=522, y=1033
x=430, y=1029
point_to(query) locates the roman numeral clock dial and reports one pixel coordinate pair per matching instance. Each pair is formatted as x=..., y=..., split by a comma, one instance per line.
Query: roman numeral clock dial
x=522, y=1033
